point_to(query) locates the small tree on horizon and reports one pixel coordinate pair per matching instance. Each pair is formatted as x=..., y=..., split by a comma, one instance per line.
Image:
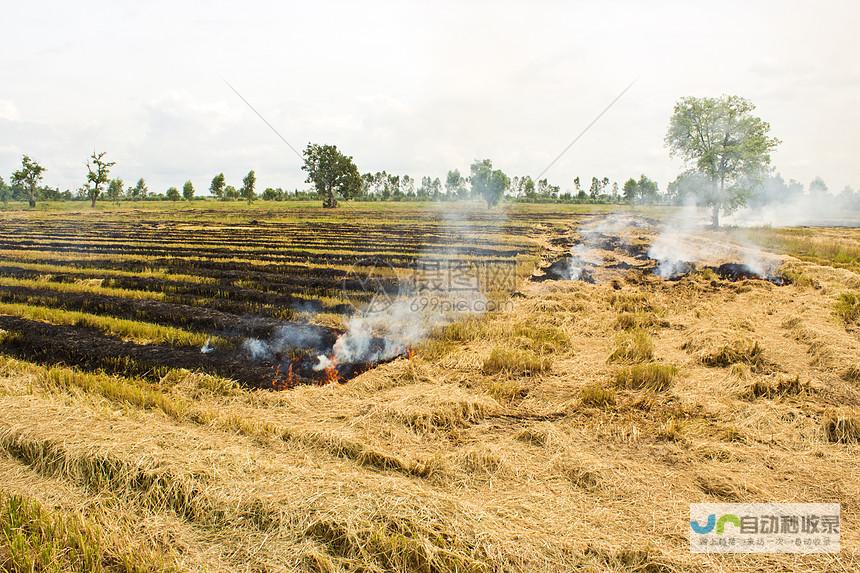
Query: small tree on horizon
x=115, y=190
x=5, y=193
x=27, y=178
x=98, y=174
x=817, y=186
x=173, y=194
x=188, y=190
x=218, y=186
x=247, y=190
x=139, y=191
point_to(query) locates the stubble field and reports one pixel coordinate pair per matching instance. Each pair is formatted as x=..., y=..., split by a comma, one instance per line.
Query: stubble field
x=568, y=430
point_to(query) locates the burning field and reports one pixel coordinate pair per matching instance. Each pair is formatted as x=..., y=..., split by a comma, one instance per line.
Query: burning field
x=205, y=389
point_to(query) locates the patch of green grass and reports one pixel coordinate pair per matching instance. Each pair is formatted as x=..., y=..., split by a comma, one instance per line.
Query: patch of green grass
x=652, y=376
x=633, y=346
x=136, y=331
x=597, y=396
x=847, y=308
x=82, y=287
x=33, y=538
x=543, y=339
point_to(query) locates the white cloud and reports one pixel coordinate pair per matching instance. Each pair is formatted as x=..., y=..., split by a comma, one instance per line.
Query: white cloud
x=419, y=87
x=9, y=111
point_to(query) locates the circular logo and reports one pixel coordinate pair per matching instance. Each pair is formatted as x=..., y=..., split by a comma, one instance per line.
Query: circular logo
x=371, y=285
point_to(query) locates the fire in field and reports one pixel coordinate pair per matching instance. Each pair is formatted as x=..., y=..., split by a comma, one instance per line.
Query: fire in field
x=506, y=308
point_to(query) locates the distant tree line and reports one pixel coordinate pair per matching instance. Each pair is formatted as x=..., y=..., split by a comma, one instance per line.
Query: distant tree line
x=334, y=177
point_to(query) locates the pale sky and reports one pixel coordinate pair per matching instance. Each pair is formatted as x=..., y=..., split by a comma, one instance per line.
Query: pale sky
x=416, y=87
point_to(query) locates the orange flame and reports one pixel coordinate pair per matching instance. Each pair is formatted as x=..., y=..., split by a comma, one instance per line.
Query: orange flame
x=410, y=353
x=279, y=383
x=330, y=371
x=291, y=378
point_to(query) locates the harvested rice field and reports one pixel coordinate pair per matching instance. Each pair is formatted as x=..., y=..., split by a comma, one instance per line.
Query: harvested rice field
x=202, y=387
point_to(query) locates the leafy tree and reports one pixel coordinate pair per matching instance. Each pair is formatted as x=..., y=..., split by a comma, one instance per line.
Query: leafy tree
x=139, y=191
x=173, y=194
x=27, y=178
x=577, y=185
x=98, y=174
x=332, y=173
x=528, y=186
x=270, y=194
x=647, y=189
x=218, y=186
x=480, y=172
x=246, y=192
x=629, y=190
x=488, y=183
x=455, y=185
x=5, y=193
x=594, y=190
x=115, y=190
x=230, y=193
x=394, y=187
x=721, y=138
x=407, y=186
x=188, y=190
x=425, y=189
x=436, y=189
x=817, y=186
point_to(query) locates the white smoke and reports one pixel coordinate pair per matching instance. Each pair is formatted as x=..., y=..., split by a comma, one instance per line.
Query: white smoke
x=375, y=335
x=207, y=347
x=285, y=338
x=685, y=240
x=810, y=210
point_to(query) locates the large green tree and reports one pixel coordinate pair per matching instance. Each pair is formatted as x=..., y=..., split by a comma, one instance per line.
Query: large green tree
x=333, y=174
x=721, y=138
x=27, y=178
x=98, y=175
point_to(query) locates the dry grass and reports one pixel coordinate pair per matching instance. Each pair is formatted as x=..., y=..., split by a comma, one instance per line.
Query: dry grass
x=653, y=376
x=735, y=350
x=515, y=362
x=771, y=389
x=842, y=429
x=495, y=449
x=634, y=346
x=597, y=396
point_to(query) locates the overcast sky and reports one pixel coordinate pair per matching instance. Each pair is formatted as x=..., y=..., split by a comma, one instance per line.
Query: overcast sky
x=416, y=87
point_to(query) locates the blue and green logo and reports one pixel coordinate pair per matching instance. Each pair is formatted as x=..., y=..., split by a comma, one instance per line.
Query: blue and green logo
x=713, y=522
